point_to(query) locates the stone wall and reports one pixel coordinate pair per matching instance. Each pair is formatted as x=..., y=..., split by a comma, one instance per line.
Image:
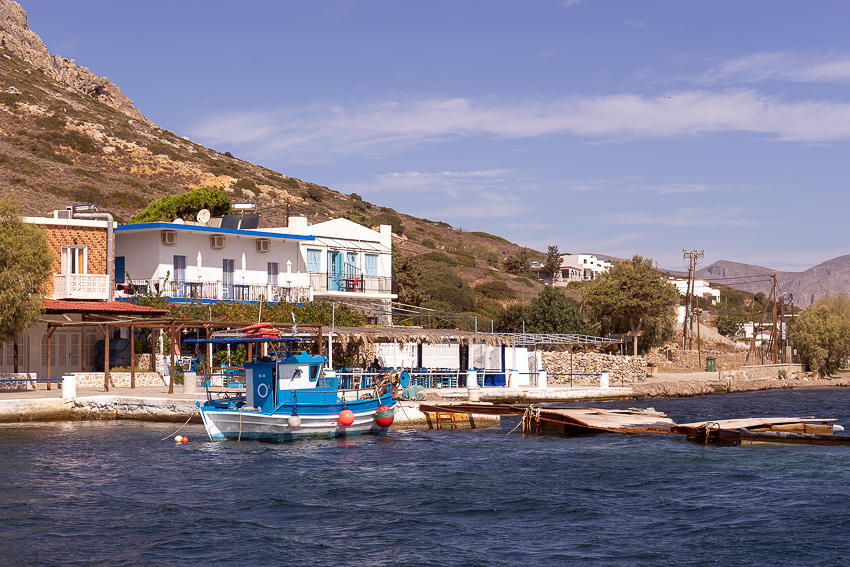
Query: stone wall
x=677, y=360
x=11, y=382
x=769, y=371
x=620, y=368
x=119, y=379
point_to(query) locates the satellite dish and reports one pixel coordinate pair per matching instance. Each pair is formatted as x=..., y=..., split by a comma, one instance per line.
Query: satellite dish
x=178, y=221
x=204, y=216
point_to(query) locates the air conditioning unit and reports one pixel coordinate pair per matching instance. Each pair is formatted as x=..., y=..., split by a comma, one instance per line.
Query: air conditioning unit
x=216, y=242
x=264, y=245
x=169, y=237
x=66, y=214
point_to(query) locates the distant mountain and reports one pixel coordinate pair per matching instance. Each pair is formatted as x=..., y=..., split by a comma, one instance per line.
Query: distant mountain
x=829, y=278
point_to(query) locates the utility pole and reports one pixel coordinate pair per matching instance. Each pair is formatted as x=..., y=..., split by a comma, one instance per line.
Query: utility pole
x=688, y=325
x=775, y=336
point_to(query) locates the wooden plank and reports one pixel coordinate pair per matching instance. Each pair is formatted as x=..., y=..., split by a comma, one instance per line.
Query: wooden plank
x=752, y=422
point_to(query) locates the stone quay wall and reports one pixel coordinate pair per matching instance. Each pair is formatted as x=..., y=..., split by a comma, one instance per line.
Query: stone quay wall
x=625, y=369
x=119, y=379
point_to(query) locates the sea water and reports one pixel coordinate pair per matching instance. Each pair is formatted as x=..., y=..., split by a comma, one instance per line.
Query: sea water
x=114, y=493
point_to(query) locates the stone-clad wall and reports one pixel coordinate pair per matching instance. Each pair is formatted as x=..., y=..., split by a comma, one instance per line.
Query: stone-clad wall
x=620, y=368
x=7, y=385
x=118, y=379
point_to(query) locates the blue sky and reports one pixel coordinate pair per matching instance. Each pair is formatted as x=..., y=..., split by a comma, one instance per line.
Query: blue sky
x=606, y=126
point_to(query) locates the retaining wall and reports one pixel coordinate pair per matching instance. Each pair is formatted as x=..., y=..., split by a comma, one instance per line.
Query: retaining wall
x=625, y=369
x=17, y=386
x=119, y=379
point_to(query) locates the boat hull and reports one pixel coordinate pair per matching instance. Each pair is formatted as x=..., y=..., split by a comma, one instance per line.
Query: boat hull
x=224, y=424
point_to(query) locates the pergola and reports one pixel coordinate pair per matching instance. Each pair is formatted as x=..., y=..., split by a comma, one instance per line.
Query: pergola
x=173, y=327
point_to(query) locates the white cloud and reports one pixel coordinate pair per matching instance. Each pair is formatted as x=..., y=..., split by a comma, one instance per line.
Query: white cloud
x=685, y=217
x=783, y=66
x=324, y=132
x=450, y=194
x=675, y=188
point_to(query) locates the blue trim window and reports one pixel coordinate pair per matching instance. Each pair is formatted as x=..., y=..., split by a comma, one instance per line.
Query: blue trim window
x=314, y=261
x=371, y=268
x=273, y=271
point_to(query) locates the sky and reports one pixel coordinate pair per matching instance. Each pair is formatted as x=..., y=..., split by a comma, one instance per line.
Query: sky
x=612, y=127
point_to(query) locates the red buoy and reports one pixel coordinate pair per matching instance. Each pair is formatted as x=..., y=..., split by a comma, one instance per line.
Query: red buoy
x=384, y=416
x=346, y=417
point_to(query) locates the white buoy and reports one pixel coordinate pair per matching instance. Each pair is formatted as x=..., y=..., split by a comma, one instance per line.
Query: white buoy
x=837, y=428
x=294, y=421
x=178, y=438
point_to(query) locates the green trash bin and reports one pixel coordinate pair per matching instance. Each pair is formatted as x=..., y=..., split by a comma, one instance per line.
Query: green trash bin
x=710, y=363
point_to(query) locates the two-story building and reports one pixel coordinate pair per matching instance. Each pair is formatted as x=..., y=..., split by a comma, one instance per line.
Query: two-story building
x=221, y=259
x=79, y=289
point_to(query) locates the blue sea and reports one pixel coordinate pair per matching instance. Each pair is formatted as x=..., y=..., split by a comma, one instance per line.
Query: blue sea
x=113, y=493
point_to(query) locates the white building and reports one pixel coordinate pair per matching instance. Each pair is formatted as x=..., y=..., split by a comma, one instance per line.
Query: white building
x=338, y=259
x=701, y=289
x=581, y=267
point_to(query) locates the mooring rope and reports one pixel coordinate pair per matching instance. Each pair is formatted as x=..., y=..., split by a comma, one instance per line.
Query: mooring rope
x=530, y=413
x=191, y=415
x=408, y=418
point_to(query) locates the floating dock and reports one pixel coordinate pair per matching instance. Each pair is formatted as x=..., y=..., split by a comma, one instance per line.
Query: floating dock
x=577, y=421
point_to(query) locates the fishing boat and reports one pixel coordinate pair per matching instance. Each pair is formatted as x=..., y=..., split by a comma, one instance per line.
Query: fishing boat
x=292, y=394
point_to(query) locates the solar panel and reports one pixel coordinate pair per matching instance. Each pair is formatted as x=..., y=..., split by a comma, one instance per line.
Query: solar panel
x=250, y=221
x=230, y=221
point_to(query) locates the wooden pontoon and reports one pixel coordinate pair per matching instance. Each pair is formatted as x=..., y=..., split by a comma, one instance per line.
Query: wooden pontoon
x=572, y=421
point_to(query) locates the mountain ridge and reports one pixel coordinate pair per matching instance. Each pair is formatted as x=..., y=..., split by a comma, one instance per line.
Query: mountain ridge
x=825, y=279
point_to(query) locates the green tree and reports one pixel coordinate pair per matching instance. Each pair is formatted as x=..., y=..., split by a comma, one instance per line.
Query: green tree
x=25, y=266
x=821, y=334
x=729, y=326
x=407, y=281
x=511, y=320
x=184, y=206
x=551, y=312
x=553, y=263
x=519, y=263
x=630, y=295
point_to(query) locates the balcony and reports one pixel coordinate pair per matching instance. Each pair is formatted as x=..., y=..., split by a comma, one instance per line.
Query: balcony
x=81, y=286
x=351, y=283
x=215, y=291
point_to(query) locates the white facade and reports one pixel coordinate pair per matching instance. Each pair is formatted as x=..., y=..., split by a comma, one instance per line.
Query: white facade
x=335, y=259
x=579, y=267
x=701, y=289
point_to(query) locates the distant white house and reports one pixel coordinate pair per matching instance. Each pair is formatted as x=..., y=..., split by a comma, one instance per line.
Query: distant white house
x=574, y=268
x=334, y=260
x=701, y=289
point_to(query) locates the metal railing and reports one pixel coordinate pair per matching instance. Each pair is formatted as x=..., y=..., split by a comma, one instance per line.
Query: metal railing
x=356, y=283
x=215, y=290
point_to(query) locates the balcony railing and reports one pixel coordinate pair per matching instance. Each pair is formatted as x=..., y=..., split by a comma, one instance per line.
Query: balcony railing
x=81, y=286
x=351, y=283
x=216, y=290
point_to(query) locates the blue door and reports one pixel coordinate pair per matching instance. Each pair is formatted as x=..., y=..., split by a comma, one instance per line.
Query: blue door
x=335, y=271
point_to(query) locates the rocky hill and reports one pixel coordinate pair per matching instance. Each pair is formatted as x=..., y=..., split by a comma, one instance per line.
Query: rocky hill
x=829, y=278
x=68, y=136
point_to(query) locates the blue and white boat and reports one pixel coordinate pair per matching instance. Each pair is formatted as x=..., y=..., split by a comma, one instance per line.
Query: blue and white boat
x=293, y=395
